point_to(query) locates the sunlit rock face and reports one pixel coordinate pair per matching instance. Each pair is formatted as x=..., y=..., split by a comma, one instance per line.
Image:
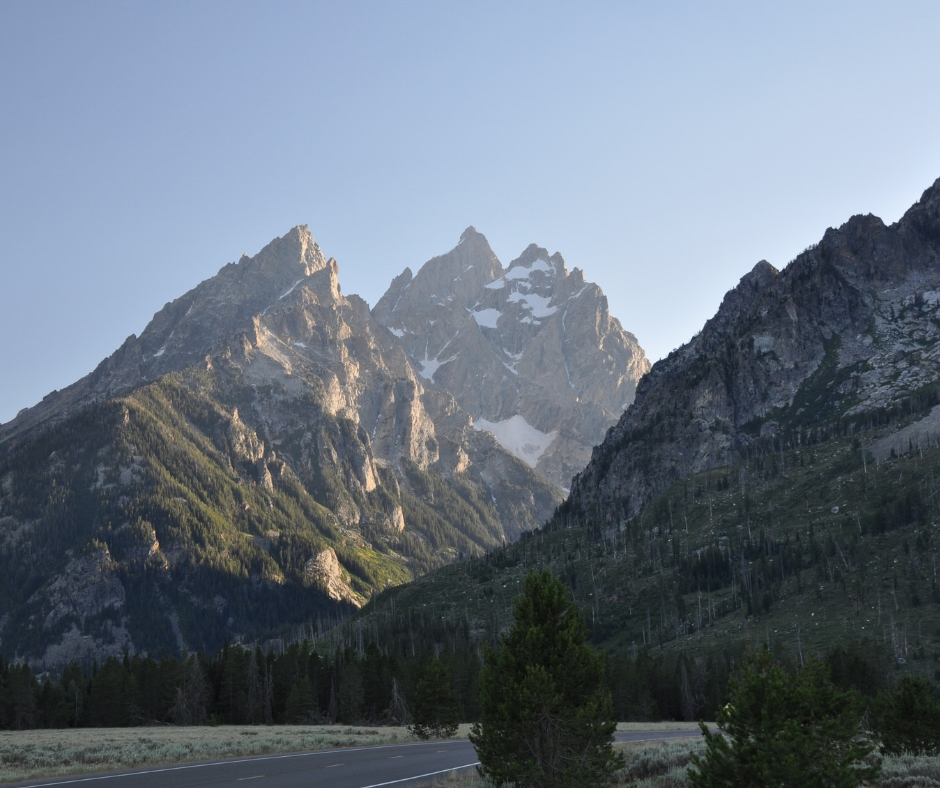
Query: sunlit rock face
x=530, y=351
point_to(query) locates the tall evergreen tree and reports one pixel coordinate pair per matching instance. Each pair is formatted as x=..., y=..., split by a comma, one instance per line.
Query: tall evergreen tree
x=437, y=713
x=546, y=716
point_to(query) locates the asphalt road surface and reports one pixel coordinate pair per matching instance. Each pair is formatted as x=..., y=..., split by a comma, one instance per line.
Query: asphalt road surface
x=402, y=765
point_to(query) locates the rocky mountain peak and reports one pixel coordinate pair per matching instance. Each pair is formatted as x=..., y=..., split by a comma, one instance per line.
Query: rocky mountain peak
x=760, y=275
x=190, y=327
x=441, y=283
x=295, y=254
x=925, y=213
x=554, y=265
x=530, y=351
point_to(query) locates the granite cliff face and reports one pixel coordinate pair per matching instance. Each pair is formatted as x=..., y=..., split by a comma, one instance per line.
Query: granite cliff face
x=531, y=351
x=264, y=453
x=850, y=329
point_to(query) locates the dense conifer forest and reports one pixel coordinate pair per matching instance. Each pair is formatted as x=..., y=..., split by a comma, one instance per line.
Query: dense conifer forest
x=307, y=683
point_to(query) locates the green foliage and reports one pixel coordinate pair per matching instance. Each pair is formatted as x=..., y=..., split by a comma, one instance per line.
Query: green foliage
x=177, y=481
x=436, y=713
x=782, y=729
x=801, y=544
x=908, y=718
x=546, y=717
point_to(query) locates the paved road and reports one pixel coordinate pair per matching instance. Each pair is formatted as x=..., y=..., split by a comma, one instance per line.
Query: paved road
x=401, y=765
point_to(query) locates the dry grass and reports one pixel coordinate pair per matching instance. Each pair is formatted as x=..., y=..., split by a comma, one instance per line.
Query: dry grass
x=47, y=753
x=664, y=765
x=464, y=778
x=464, y=729
x=909, y=771
x=658, y=726
x=657, y=765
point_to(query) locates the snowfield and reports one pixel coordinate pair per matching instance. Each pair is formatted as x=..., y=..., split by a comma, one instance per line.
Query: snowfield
x=486, y=317
x=519, y=437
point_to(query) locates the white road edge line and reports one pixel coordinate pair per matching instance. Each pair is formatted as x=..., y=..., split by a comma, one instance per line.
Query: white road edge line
x=239, y=760
x=419, y=776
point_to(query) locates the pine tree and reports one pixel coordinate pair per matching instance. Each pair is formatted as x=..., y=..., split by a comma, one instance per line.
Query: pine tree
x=398, y=710
x=546, y=716
x=436, y=706
x=189, y=707
x=255, y=691
x=301, y=703
x=784, y=730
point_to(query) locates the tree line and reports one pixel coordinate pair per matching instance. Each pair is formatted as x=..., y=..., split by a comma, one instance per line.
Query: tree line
x=321, y=683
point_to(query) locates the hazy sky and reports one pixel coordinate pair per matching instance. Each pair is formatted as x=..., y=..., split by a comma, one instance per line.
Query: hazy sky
x=664, y=148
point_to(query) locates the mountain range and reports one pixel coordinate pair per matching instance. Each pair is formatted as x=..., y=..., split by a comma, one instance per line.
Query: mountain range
x=269, y=452
x=776, y=480
x=270, y=455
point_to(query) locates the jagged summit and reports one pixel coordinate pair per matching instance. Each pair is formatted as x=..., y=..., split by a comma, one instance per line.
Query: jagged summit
x=530, y=351
x=534, y=254
x=760, y=274
x=185, y=330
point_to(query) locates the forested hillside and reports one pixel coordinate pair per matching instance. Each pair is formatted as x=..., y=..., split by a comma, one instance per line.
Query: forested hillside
x=172, y=532
x=812, y=542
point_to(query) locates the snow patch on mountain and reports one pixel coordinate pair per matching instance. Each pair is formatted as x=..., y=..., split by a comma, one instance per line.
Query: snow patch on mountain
x=430, y=365
x=290, y=289
x=523, y=272
x=536, y=304
x=519, y=437
x=520, y=272
x=486, y=317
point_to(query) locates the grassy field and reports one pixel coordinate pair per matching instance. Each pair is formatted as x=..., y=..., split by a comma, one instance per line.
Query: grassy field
x=47, y=753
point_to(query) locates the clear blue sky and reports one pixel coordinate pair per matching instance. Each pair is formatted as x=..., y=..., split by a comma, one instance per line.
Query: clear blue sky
x=664, y=148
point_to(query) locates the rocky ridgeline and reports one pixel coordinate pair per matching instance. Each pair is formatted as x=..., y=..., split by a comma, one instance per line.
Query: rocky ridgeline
x=849, y=328
x=280, y=320
x=531, y=351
